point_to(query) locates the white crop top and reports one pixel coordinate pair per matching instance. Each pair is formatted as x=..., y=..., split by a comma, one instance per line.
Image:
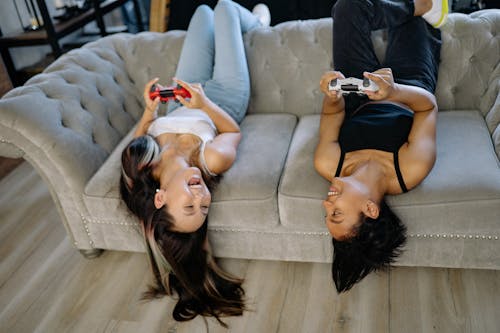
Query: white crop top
x=184, y=120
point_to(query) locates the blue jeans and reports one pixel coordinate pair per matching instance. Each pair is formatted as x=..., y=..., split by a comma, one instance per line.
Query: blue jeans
x=413, y=50
x=129, y=18
x=213, y=54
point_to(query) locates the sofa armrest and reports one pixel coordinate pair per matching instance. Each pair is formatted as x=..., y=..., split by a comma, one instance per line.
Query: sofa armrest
x=7, y=149
x=67, y=120
x=73, y=115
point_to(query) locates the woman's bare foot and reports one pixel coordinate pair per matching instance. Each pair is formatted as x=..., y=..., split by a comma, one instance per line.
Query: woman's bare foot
x=422, y=7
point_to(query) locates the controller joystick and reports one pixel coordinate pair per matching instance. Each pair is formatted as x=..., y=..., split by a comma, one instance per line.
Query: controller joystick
x=366, y=82
x=352, y=85
x=168, y=93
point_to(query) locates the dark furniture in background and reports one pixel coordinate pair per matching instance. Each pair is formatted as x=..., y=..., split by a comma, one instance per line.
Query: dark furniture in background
x=51, y=33
x=287, y=10
x=281, y=10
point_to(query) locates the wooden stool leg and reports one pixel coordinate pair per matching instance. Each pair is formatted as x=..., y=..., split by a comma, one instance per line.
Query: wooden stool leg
x=159, y=15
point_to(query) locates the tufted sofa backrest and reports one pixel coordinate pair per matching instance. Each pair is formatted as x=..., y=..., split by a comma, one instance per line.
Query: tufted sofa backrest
x=105, y=80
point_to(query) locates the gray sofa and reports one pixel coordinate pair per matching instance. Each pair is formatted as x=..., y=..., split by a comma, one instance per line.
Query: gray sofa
x=72, y=121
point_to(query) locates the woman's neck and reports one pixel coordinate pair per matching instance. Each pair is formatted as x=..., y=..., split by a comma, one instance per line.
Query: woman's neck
x=172, y=160
x=372, y=174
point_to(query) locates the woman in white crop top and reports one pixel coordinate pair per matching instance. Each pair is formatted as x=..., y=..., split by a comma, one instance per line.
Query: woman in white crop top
x=167, y=167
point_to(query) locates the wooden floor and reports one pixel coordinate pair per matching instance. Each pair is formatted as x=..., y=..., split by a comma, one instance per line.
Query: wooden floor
x=47, y=286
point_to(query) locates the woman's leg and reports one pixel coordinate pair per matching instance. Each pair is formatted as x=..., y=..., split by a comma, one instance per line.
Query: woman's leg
x=413, y=49
x=353, y=22
x=196, y=61
x=413, y=53
x=230, y=84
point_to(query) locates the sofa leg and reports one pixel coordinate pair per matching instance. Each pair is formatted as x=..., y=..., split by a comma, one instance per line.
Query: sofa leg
x=91, y=254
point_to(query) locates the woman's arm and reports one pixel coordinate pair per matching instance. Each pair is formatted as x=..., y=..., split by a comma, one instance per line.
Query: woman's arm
x=327, y=152
x=220, y=154
x=416, y=98
x=222, y=121
x=150, y=112
x=417, y=157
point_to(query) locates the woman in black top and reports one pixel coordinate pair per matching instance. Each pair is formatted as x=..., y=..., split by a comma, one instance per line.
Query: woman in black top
x=383, y=142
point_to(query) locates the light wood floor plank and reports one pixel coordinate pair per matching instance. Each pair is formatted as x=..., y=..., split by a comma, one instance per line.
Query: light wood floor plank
x=24, y=273
x=480, y=294
x=443, y=300
x=298, y=287
x=364, y=308
x=320, y=303
x=26, y=302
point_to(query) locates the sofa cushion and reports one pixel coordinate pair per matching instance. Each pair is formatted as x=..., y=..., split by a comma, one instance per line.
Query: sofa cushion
x=464, y=183
x=246, y=194
x=302, y=189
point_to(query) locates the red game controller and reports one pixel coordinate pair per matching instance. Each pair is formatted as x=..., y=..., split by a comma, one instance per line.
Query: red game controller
x=168, y=93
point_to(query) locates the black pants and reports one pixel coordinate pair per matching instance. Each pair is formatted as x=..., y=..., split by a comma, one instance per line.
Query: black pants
x=413, y=50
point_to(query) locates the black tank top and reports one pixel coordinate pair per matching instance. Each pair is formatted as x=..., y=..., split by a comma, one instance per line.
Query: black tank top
x=380, y=126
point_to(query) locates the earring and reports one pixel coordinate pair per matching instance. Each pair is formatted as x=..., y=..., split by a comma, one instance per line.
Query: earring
x=157, y=190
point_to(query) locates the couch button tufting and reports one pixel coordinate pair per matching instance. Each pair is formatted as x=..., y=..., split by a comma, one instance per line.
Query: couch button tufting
x=472, y=59
x=454, y=90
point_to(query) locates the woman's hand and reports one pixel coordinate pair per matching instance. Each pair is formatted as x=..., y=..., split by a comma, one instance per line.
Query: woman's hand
x=151, y=105
x=149, y=114
x=385, y=81
x=332, y=95
x=198, y=98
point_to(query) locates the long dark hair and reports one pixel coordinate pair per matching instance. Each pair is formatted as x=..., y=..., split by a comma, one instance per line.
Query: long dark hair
x=376, y=244
x=181, y=262
x=137, y=184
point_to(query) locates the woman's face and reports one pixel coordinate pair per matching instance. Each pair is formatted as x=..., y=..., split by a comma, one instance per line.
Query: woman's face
x=344, y=206
x=187, y=198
